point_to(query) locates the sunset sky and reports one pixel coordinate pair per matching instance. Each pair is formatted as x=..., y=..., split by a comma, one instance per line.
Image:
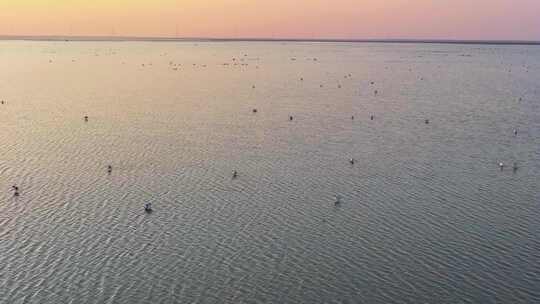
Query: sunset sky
x=348, y=19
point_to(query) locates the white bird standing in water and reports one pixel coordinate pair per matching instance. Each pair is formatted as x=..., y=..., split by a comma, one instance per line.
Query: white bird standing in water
x=148, y=207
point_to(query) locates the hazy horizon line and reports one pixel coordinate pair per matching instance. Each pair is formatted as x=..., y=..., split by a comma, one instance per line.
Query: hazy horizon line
x=91, y=38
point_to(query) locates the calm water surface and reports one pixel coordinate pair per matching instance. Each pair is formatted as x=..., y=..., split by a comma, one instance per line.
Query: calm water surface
x=426, y=216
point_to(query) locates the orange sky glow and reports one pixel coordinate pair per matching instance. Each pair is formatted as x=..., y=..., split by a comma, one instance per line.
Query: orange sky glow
x=346, y=19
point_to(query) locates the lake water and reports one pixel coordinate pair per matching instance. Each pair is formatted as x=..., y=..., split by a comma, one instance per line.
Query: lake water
x=426, y=215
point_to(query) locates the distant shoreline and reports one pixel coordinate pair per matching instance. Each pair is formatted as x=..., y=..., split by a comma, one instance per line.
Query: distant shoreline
x=196, y=39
